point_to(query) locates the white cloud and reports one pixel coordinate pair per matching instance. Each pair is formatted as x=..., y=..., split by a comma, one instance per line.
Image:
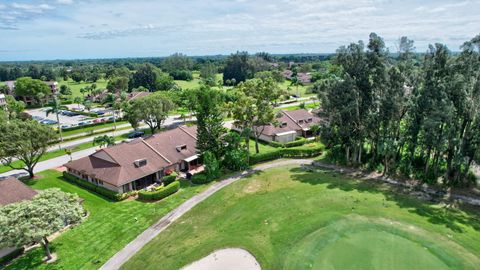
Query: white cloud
x=118, y=28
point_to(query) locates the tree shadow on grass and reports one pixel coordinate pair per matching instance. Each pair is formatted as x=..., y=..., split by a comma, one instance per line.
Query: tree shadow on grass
x=32, y=259
x=402, y=197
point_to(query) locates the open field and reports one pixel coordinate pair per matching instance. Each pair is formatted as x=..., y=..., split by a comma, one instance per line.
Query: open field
x=196, y=81
x=102, y=83
x=293, y=90
x=108, y=228
x=290, y=218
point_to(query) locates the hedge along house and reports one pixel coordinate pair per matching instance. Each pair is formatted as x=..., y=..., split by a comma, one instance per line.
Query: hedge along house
x=139, y=163
x=289, y=125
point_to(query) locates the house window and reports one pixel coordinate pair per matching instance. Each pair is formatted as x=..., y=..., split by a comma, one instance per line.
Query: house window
x=181, y=147
x=300, y=121
x=283, y=125
x=100, y=182
x=309, y=120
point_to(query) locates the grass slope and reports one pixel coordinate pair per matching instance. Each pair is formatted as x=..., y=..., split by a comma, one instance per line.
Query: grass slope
x=289, y=218
x=108, y=228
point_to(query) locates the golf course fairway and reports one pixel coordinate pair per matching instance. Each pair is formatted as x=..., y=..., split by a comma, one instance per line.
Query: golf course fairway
x=297, y=218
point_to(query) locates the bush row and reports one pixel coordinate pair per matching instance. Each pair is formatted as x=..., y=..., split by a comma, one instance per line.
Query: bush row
x=89, y=114
x=200, y=178
x=98, y=189
x=169, y=178
x=159, y=194
x=298, y=152
x=298, y=142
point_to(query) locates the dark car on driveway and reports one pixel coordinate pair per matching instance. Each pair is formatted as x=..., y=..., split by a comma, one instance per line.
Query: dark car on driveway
x=136, y=134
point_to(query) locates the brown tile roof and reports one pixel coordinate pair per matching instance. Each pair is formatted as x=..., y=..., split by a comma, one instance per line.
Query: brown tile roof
x=169, y=143
x=134, y=95
x=115, y=165
x=292, y=121
x=13, y=190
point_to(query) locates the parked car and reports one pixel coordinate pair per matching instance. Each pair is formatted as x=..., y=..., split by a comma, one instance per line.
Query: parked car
x=136, y=134
x=48, y=122
x=96, y=121
x=64, y=126
x=37, y=118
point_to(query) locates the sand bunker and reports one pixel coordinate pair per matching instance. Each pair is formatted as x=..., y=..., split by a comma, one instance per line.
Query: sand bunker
x=229, y=258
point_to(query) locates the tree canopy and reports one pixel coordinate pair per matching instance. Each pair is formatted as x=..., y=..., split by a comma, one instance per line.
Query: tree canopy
x=419, y=120
x=26, y=141
x=28, y=87
x=34, y=221
x=153, y=110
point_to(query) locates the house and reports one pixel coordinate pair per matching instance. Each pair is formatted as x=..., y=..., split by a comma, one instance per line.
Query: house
x=139, y=163
x=134, y=95
x=13, y=190
x=31, y=100
x=3, y=100
x=289, y=125
x=303, y=78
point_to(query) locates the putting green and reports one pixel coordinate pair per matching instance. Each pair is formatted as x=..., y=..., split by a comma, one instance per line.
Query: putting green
x=360, y=243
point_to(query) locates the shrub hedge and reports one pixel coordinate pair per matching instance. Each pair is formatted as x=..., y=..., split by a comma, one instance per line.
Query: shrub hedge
x=298, y=142
x=200, y=178
x=297, y=152
x=98, y=189
x=169, y=178
x=89, y=114
x=159, y=194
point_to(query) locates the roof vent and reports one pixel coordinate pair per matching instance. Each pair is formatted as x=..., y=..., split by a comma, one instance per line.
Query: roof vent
x=182, y=147
x=284, y=124
x=140, y=163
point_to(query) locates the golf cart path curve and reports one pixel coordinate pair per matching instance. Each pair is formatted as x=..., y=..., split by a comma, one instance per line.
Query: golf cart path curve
x=146, y=236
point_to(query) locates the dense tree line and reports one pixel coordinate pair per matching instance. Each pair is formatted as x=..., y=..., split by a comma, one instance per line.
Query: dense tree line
x=421, y=120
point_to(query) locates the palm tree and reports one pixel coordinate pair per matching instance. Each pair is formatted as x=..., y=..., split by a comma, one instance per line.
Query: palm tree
x=56, y=108
x=104, y=140
x=78, y=100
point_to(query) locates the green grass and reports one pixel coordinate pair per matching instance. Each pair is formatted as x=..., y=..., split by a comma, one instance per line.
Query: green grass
x=75, y=87
x=262, y=147
x=292, y=90
x=297, y=107
x=196, y=82
x=291, y=218
x=108, y=228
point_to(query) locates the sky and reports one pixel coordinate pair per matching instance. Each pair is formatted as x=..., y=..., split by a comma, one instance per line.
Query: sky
x=80, y=29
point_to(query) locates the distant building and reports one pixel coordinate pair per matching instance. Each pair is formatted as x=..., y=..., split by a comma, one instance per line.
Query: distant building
x=289, y=125
x=3, y=100
x=304, y=78
x=30, y=100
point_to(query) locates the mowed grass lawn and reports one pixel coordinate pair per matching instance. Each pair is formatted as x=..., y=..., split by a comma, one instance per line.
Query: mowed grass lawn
x=75, y=87
x=107, y=229
x=292, y=218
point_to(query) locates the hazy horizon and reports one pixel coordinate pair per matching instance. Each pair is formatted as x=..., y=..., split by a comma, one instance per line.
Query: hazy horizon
x=92, y=29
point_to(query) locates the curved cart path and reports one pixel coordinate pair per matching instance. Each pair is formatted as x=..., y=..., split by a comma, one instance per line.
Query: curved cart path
x=133, y=247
